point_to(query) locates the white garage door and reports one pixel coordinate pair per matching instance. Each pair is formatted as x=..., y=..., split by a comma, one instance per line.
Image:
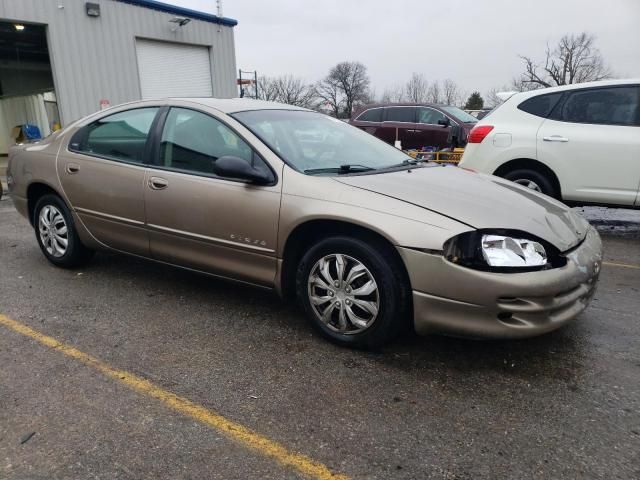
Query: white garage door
x=173, y=70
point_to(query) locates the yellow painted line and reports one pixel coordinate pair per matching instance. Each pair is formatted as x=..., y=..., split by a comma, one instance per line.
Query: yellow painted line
x=237, y=432
x=622, y=265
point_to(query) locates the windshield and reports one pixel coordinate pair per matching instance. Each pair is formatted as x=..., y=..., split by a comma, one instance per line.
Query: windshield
x=461, y=115
x=315, y=143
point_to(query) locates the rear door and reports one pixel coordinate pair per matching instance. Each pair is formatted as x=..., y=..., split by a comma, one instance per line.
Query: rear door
x=592, y=141
x=400, y=125
x=102, y=174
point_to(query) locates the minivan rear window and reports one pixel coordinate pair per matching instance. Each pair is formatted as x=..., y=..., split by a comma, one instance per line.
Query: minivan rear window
x=371, y=115
x=401, y=114
x=541, y=105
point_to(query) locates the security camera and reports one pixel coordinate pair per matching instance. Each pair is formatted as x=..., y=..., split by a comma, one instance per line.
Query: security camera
x=180, y=22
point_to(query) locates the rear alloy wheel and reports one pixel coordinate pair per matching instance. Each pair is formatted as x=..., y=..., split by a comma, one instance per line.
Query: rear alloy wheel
x=352, y=292
x=533, y=180
x=56, y=233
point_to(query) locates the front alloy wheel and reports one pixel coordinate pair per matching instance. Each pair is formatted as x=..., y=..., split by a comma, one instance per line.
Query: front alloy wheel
x=343, y=293
x=354, y=292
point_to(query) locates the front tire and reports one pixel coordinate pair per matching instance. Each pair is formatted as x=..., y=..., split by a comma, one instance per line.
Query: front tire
x=57, y=235
x=353, y=292
x=534, y=180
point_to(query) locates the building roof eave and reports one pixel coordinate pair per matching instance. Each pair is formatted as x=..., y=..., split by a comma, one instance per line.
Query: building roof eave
x=185, y=12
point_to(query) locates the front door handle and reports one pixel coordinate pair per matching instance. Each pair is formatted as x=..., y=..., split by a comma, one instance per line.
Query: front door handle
x=555, y=138
x=157, y=183
x=72, y=168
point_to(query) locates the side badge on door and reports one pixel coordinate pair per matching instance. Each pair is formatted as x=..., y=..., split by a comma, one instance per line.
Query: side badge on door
x=249, y=241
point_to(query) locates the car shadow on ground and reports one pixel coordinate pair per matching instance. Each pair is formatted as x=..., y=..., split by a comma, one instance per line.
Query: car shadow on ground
x=559, y=354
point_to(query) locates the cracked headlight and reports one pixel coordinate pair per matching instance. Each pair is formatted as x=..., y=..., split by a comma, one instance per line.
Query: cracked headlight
x=501, y=251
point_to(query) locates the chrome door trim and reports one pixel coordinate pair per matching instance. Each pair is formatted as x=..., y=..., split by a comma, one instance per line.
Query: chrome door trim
x=197, y=236
x=108, y=216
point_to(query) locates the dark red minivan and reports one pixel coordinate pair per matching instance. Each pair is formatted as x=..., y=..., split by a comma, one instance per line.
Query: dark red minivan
x=415, y=125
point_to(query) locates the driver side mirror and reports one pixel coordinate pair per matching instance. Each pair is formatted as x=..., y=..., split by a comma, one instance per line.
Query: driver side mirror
x=236, y=167
x=445, y=122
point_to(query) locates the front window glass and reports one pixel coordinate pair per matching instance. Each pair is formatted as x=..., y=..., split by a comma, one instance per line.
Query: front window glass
x=311, y=142
x=460, y=114
x=429, y=115
x=122, y=136
x=193, y=141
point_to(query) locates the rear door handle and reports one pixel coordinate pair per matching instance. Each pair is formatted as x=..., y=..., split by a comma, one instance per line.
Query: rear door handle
x=555, y=138
x=72, y=168
x=157, y=183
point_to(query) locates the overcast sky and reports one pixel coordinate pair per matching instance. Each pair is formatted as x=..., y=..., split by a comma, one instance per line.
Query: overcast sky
x=476, y=43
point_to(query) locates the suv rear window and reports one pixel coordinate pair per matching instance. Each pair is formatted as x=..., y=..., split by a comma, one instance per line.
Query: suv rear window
x=541, y=105
x=371, y=115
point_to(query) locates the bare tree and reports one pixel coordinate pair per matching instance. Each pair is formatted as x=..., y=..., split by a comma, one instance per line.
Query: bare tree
x=434, y=94
x=416, y=89
x=393, y=94
x=574, y=60
x=351, y=83
x=287, y=89
x=330, y=96
x=267, y=89
x=294, y=91
x=451, y=94
x=492, y=99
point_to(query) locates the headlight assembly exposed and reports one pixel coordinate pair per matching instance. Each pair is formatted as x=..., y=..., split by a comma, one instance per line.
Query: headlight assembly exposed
x=502, y=251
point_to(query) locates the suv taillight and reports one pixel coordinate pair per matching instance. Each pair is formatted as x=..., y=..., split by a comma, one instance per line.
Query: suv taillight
x=478, y=133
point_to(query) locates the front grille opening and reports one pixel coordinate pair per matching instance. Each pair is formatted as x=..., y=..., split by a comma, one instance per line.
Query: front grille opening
x=505, y=316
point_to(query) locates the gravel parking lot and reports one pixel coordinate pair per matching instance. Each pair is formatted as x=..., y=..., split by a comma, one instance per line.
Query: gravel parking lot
x=565, y=405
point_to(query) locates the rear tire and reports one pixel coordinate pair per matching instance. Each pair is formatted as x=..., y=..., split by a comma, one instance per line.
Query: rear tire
x=364, y=303
x=534, y=180
x=57, y=235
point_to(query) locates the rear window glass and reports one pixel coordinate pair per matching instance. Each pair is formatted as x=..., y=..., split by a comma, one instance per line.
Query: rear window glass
x=541, y=105
x=603, y=106
x=121, y=136
x=371, y=115
x=401, y=114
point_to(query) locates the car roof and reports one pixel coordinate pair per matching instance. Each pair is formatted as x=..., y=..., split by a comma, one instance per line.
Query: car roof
x=402, y=104
x=232, y=105
x=573, y=86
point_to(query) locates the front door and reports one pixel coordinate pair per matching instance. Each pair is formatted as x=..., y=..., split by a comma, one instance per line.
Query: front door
x=102, y=175
x=429, y=131
x=202, y=221
x=592, y=142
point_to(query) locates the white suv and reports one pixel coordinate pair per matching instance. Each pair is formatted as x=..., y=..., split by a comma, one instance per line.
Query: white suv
x=578, y=143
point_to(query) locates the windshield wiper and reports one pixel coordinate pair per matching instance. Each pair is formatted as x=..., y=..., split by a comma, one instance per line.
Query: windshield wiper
x=348, y=168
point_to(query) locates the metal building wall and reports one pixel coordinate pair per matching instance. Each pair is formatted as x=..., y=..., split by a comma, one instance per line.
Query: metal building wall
x=95, y=58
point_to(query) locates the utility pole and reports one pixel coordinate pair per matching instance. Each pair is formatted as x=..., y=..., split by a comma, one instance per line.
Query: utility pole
x=219, y=10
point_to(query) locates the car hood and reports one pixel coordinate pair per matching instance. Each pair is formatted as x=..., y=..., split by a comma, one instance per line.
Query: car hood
x=479, y=201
